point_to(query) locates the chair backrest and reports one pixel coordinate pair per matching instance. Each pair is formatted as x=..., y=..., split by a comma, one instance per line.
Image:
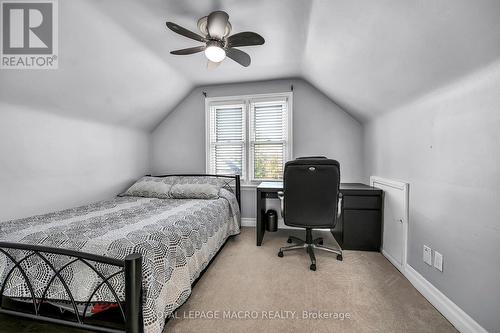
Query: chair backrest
x=311, y=187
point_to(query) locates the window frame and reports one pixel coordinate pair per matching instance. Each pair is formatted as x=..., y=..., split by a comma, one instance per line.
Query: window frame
x=246, y=100
x=227, y=104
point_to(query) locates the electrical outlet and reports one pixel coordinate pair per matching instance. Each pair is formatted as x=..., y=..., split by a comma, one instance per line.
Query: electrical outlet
x=438, y=260
x=427, y=255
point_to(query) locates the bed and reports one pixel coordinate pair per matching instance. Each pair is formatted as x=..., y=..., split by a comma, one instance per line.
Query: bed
x=137, y=254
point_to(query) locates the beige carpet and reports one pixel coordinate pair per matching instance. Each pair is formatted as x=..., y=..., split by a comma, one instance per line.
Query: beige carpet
x=244, y=277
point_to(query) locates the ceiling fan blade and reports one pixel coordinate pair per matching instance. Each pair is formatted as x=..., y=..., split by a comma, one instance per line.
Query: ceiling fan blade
x=216, y=24
x=212, y=64
x=246, y=38
x=185, y=32
x=239, y=56
x=190, y=50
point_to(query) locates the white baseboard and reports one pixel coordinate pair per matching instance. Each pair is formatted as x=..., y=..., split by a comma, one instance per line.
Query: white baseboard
x=393, y=261
x=248, y=222
x=461, y=320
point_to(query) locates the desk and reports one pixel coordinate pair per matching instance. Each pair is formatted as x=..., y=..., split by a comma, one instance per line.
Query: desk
x=360, y=227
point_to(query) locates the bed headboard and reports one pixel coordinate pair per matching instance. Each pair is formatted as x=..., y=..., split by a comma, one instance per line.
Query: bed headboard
x=231, y=183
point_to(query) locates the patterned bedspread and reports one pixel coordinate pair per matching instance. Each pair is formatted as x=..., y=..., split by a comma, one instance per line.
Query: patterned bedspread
x=177, y=238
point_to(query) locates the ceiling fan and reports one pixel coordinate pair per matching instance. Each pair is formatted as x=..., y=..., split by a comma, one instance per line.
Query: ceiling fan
x=215, y=29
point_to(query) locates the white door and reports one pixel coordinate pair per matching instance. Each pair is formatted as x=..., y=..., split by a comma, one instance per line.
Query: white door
x=395, y=220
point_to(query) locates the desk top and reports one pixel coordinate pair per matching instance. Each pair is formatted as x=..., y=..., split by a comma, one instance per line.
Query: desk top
x=346, y=188
x=271, y=185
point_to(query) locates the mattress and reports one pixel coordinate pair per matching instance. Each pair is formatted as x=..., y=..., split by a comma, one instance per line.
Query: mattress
x=177, y=238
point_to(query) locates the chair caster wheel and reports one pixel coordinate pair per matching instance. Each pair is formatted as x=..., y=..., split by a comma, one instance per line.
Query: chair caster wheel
x=312, y=267
x=339, y=257
x=289, y=240
x=280, y=254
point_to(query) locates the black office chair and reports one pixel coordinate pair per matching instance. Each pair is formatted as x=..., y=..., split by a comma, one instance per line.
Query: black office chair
x=311, y=200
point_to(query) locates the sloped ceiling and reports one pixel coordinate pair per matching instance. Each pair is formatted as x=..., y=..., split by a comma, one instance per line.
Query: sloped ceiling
x=368, y=56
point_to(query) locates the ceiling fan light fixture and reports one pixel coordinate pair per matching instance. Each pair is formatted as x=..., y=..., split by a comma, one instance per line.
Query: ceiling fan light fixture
x=215, y=53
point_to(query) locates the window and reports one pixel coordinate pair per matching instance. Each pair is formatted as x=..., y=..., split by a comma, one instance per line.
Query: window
x=249, y=135
x=227, y=139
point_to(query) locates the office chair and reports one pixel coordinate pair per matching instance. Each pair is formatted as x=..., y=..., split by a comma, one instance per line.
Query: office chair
x=311, y=200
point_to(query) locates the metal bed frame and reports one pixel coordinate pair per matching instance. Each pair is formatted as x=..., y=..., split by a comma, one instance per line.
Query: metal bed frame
x=131, y=267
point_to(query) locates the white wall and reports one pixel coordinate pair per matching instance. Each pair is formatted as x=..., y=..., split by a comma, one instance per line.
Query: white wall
x=447, y=146
x=320, y=127
x=49, y=162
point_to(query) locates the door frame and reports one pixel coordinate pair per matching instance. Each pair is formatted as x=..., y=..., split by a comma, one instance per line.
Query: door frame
x=405, y=187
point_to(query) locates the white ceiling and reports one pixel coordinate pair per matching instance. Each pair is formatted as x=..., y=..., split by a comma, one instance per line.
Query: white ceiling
x=368, y=56
x=374, y=56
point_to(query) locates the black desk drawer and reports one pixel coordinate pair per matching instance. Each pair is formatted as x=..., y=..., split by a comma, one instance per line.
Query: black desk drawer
x=362, y=230
x=361, y=202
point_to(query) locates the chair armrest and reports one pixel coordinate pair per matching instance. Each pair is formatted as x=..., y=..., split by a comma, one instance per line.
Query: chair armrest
x=281, y=196
x=339, y=206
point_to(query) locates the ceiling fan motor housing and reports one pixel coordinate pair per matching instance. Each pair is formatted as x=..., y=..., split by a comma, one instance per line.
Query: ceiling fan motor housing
x=220, y=17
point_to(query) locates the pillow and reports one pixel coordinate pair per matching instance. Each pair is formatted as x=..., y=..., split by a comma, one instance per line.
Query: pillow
x=195, y=191
x=150, y=187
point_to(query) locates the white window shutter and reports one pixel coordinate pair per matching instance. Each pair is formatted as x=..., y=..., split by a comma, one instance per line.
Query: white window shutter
x=268, y=138
x=227, y=139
